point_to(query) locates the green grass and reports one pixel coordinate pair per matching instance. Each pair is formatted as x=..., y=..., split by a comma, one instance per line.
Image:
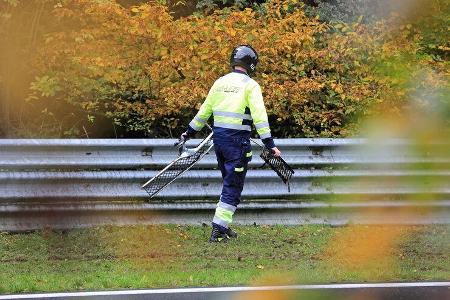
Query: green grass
x=178, y=256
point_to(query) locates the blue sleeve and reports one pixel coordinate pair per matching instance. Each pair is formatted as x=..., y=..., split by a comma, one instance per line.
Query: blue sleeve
x=268, y=142
x=191, y=132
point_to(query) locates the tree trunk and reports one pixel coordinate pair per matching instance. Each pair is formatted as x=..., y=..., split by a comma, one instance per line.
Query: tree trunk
x=5, y=111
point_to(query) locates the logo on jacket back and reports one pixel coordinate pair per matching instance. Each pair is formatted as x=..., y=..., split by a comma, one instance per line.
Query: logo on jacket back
x=227, y=89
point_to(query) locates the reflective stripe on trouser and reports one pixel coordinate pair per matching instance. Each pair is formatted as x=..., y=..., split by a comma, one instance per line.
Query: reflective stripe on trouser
x=224, y=214
x=232, y=157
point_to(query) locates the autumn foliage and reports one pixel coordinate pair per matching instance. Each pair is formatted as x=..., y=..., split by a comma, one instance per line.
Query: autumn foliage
x=146, y=72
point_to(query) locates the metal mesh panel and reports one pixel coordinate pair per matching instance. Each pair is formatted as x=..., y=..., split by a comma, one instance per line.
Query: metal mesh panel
x=176, y=168
x=283, y=170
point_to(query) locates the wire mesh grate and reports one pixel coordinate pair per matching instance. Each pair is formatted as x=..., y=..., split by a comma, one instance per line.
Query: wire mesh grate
x=283, y=170
x=176, y=168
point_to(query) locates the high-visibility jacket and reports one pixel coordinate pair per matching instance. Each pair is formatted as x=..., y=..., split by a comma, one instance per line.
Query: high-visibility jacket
x=235, y=100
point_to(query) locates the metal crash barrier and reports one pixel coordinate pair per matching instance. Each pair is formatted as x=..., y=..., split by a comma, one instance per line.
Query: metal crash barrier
x=77, y=183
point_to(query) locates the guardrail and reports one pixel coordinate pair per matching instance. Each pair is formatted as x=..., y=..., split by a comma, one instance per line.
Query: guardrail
x=155, y=153
x=51, y=174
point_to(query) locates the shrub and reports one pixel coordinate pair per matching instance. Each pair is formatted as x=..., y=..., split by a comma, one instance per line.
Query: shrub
x=149, y=72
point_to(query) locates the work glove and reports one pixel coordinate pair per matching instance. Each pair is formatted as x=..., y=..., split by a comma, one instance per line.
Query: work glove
x=184, y=137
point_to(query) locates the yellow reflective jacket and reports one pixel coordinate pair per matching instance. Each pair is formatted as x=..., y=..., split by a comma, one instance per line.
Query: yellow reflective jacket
x=236, y=102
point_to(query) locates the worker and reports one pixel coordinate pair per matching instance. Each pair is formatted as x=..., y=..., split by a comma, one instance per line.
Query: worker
x=235, y=100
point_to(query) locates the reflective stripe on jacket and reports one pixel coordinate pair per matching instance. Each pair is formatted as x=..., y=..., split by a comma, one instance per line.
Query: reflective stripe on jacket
x=236, y=102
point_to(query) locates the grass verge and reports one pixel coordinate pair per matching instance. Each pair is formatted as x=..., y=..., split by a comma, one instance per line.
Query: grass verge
x=178, y=256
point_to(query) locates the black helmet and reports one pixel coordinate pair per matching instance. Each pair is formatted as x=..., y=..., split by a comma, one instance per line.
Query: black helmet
x=244, y=56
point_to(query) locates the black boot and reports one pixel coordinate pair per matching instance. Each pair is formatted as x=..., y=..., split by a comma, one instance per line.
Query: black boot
x=231, y=233
x=217, y=236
